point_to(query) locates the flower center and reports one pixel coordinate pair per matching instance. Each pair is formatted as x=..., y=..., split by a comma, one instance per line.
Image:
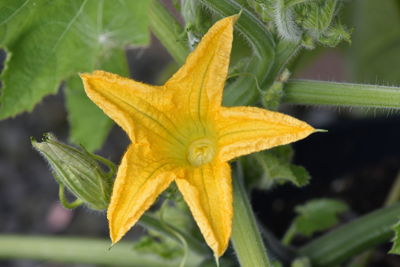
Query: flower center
x=201, y=151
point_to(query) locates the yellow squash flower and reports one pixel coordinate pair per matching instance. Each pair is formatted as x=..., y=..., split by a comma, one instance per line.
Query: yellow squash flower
x=180, y=132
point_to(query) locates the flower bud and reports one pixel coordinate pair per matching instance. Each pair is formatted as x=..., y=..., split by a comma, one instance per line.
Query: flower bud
x=303, y=21
x=79, y=171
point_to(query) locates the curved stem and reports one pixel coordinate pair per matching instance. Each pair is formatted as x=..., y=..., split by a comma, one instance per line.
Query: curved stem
x=246, y=238
x=64, y=201
x=78, y=250
x=175, y=233
x=243, y=91
x=168, y=30
x=353, y=238
x=341, y=94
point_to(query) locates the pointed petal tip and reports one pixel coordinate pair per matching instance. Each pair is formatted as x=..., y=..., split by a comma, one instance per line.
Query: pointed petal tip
x=234, y=18
x=237, y=16
x=320, y=131
x=115, y=238
x=219, y=252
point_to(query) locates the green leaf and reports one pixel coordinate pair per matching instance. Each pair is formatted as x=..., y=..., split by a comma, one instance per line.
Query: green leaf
x=375, y=53
x=89, y=126
x=276, y=167
x=396, y=240
x=317, y=215
x=14, y=15
x=301, y=262
x=58, y=39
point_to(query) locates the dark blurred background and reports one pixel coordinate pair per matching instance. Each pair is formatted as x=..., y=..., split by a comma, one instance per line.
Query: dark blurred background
x=356, y=161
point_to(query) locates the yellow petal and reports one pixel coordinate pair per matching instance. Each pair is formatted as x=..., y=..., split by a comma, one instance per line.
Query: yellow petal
x=200, y=81
x=244, y=130
x=138, y=108
x=208, y=192
x=140, y=179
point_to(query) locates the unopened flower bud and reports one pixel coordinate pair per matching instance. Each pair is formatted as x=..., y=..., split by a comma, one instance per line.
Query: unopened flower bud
x=79, y=171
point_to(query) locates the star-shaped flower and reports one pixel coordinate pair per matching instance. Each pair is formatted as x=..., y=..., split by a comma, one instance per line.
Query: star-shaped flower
x=181, y=133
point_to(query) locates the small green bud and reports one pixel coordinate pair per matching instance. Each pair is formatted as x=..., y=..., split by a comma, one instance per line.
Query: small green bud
x=305, y=22
x=334, y=35
x=79, y=171
x=273, y=96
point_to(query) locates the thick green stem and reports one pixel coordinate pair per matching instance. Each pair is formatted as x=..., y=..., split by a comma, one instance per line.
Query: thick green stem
x=392, y=198
x=307, y=92
x=353, y=238
x=78, y=250
x=246, y=238
x=168, y=30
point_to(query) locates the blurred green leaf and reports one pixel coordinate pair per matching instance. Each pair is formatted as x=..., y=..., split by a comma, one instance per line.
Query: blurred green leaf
x=88, y=124
x=317, y=215
x=301, y=262
x=274, y=166
x=375, y=50
x=396, y=240
x=49, y=41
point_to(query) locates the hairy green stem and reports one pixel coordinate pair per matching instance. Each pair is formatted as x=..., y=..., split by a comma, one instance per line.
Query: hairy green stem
x=78, y=250
x=246, y=238
x=308, y=92
x=168, y=30
x=353, y=238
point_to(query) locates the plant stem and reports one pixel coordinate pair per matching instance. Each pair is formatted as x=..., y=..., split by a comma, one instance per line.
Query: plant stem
x=246, y=238
x=341, y=94
x=77, y=250
x=353, y=238
x=168, y=30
